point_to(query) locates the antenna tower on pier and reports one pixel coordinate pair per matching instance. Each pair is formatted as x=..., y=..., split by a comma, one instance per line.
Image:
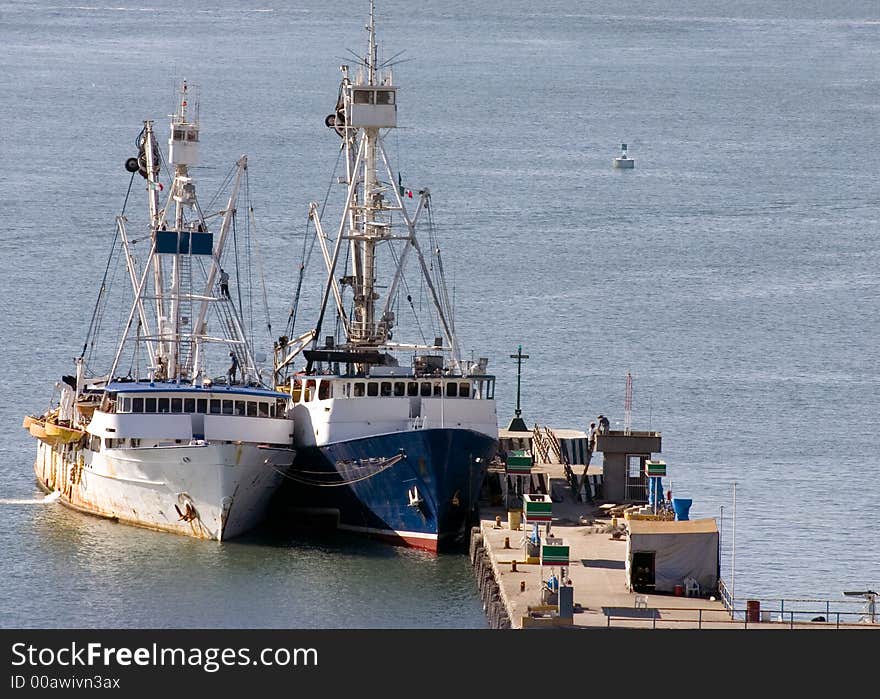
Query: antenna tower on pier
x=628, y=405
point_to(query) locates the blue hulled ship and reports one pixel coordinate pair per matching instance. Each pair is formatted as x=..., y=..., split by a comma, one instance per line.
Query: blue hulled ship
x=393, y=437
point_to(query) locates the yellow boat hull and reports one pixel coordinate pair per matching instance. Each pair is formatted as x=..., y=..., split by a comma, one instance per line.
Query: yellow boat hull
x=38, y=430
x=63, y=434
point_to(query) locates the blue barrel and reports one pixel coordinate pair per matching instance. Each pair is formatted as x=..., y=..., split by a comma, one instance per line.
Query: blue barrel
x=681, y=506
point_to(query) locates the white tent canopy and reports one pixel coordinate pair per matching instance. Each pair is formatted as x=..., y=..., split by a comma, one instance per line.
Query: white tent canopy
x=682, y=549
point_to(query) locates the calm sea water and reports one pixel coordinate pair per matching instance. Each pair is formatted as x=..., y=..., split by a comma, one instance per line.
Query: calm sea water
x=733, y=272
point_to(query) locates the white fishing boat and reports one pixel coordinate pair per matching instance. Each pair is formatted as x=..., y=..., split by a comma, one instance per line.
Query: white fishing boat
x=393, y=429
x=163, y=439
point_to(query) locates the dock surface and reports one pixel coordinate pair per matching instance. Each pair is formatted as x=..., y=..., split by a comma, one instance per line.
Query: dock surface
x=597, y=572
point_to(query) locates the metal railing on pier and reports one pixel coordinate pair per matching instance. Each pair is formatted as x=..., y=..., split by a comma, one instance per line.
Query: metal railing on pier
x=677, y=617
x=794, y=611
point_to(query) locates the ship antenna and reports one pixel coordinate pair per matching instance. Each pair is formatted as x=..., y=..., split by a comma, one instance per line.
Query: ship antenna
x=372, y=59
x=183, y=102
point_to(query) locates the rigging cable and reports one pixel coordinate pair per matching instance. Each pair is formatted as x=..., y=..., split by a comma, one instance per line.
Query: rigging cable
x=102, y=288
x=307, y=252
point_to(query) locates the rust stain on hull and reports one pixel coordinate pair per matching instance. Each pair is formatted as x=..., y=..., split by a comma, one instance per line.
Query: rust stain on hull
x=64, y=475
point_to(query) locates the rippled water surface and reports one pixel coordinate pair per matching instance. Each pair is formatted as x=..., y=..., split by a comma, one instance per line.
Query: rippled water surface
x=733, y=271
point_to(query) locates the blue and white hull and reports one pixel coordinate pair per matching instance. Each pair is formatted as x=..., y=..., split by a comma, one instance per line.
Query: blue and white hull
x=417, y=488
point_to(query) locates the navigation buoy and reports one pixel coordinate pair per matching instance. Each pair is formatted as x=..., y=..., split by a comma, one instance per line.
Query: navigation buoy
x=623, y=161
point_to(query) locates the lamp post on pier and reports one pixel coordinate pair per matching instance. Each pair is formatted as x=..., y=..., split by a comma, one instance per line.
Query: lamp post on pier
x=517, y=424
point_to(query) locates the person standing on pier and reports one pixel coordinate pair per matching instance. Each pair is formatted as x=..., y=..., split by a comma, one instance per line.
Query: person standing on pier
x=591, y=438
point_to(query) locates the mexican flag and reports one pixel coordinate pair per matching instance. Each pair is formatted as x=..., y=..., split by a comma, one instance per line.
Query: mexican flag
x=404, y=192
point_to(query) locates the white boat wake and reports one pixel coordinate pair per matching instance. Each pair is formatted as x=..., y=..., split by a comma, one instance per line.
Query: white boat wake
x=51, y=497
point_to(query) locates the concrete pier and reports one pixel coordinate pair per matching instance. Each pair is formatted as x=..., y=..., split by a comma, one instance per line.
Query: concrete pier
x=512, y=587
x=597, y=571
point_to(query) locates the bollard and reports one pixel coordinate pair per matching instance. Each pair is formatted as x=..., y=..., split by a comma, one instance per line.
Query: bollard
x=513, y=566
x=522, y=585
x=498, y=521
x=507, y=542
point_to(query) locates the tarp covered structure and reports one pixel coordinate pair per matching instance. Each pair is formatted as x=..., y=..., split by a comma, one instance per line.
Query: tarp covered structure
x=682, y=549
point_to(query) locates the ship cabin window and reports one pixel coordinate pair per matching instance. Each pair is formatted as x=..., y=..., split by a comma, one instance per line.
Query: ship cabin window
x=137, y=405
x=452, y=390
x=412, y=388
x=240, y=407
x=177, y=405
x=251, y=408
x=202, y=405
x=363, y=96
x=227, y=407
x=189, y=405
x=192, y=135
x=323, y=390
x=134, y=442
x=438, y=390
x=384, y=96
x=310, y=390
x=149, y=405
x=484, y=388
x=464, y=389
x=179, y=134
x=164, y=405
x=95, y=443
x=126, y=404
x=399, y=388
x=280, y=408
x=215, y=406
x=386, y=388
x=372, y=388
x=426, y=388
x=264, y=409
x=358, y=389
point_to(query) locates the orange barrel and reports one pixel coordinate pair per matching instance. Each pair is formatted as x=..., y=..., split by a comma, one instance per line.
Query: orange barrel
x=679, y=590
x=753, y=610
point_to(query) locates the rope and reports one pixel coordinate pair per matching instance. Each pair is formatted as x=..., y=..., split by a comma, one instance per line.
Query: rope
x=321, y=484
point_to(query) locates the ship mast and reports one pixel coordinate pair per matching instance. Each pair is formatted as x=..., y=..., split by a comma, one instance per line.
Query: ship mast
x=183, y=143
x=364, y=238
x=367, y=104
x=179, y=237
